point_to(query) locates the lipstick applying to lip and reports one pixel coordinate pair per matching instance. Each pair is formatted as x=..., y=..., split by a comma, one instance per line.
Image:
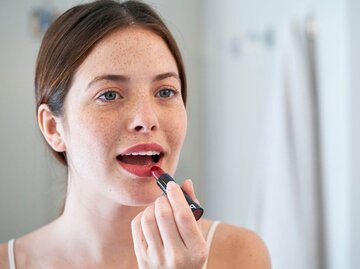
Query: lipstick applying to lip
x=162, y=180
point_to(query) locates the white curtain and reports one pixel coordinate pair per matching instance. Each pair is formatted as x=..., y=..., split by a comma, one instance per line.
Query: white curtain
x=289, y=194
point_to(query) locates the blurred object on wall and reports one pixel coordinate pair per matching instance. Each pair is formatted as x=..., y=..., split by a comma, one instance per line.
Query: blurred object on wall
x=41, y=18
x=290, y=200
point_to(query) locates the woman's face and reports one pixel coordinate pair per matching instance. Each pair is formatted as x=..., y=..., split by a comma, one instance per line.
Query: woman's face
x=124, y=113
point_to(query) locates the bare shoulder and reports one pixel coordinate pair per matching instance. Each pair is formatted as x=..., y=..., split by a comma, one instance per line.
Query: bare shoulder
x=235, y=247
x=3, y=256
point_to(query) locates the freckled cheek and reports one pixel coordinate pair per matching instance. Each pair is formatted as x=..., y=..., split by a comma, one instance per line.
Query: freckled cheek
x=176, y=128
x=98, y=130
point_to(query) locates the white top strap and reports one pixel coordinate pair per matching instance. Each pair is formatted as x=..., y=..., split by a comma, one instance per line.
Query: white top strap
x=209, y=239
x=11, y=254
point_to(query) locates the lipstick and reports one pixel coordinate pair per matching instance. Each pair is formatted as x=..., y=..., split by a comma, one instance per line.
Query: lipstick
x=162, y=180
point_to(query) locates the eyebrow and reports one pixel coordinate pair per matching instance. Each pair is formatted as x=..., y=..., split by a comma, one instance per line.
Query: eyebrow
x=123, y=78
x=166, y=75
x=111, y=77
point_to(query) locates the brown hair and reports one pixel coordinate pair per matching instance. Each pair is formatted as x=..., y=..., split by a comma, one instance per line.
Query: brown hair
x=69, y=40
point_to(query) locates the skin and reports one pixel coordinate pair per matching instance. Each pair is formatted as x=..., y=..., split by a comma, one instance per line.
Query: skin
x=125, y=217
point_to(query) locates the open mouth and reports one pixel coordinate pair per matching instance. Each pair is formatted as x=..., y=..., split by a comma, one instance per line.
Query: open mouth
x=142, y=158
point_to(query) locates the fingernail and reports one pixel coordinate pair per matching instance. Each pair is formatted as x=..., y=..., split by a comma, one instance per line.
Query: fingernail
x=171, y=185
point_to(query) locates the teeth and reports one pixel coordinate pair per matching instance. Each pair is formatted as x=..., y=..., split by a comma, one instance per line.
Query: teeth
x=143, y=153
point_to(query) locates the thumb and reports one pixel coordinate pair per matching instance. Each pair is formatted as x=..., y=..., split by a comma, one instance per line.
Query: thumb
x=188, y=187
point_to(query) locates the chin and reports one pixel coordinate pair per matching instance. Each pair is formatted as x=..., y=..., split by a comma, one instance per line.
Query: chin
x=141, y=198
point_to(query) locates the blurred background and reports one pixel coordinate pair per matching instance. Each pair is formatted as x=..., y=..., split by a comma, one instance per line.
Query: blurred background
x=273, y=102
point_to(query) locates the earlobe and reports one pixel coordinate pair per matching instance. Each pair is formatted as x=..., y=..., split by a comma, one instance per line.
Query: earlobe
x=51, y=128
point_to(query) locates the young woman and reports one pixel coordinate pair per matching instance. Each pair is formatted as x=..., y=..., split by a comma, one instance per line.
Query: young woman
x=111, y=92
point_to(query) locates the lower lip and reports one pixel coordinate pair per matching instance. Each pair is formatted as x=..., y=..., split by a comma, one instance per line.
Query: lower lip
x=138, y=170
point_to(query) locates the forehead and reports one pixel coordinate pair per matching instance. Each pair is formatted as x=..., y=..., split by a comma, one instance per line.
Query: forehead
x=130, y=51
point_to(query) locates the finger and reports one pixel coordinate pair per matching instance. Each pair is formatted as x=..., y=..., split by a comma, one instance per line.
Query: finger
x=140, y=245
x=166, y=223
x=152, y=235
x=188, y=187
x=185, y=221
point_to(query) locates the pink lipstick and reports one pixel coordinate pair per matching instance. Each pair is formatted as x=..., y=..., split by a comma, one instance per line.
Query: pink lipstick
x=162, y=180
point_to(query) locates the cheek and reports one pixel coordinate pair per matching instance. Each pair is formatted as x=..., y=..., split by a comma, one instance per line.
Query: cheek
x=177, y=126
x=92, y=131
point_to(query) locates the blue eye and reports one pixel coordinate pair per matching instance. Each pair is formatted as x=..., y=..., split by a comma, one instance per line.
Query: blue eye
x=109, y=96
x=166, y=93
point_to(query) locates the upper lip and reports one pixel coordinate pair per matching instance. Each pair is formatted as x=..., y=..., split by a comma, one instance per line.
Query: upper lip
x=142, y=148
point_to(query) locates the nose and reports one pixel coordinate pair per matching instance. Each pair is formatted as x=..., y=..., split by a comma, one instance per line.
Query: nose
x=143, y=118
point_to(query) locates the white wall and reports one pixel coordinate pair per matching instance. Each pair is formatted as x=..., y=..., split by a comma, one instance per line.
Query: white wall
x=354, y=10
x=334, y=81
x=24, y=196
x=31, y=183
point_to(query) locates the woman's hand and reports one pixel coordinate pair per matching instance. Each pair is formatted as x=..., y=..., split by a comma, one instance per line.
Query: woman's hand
x=166, y=234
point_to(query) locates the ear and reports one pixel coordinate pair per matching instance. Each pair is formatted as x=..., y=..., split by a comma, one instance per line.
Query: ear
x=51, y=128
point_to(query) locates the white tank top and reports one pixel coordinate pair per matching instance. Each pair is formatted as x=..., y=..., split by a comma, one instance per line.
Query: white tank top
x=209, y=238
x=11, y=254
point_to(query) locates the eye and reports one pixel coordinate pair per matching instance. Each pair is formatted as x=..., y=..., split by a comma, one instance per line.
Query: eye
x=109, y=96
x=166, y=93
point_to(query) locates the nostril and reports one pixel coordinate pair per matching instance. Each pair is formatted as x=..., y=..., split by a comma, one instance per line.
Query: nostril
x=138, y=128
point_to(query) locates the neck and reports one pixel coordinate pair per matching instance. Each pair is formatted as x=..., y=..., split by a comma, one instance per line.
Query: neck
x=97, y=226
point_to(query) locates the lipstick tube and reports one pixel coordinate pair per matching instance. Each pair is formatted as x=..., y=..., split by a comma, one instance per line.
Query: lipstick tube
x=162, y=180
